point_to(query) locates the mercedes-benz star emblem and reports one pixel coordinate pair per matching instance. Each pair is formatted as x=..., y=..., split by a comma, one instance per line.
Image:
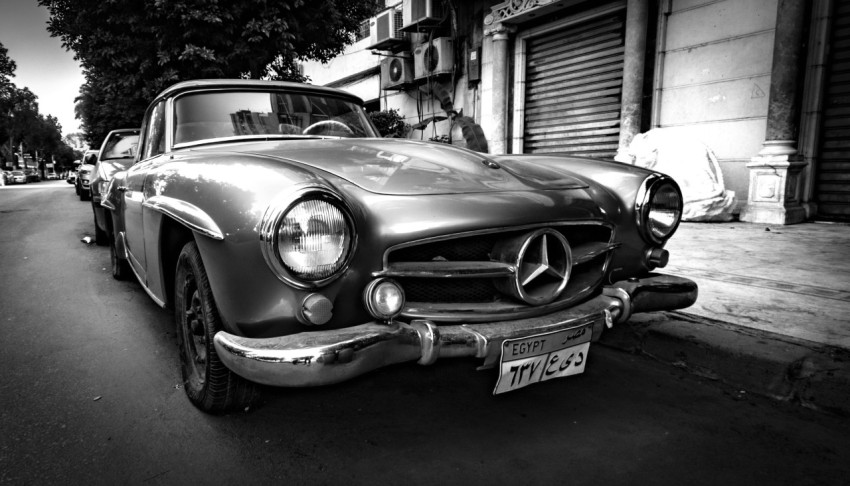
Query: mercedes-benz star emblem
x=543, y=263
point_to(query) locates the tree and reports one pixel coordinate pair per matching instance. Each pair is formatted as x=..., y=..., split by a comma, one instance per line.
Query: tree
x=130, y=50
x=21, y=124
x=7, y=88
x=7, y=67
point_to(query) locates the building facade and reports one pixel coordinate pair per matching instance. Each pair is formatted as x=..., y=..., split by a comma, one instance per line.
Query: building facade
x=764, y=83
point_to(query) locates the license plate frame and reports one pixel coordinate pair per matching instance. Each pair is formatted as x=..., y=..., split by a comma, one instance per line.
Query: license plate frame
x=542, y=357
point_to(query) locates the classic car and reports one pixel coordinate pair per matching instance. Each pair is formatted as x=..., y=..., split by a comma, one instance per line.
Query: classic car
x=85, y=172
x=116, y=154
x=298, y=248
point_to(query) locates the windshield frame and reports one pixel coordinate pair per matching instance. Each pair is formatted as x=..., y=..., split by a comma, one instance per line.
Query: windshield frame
x=363, y=118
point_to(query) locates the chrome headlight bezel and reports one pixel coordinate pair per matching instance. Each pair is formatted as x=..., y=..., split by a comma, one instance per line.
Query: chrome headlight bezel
x=272, y=222
x=644, y=205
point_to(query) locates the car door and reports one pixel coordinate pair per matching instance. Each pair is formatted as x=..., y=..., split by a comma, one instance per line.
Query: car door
x=152, y=149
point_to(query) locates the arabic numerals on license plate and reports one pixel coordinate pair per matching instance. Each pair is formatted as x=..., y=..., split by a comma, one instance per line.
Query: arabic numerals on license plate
x=542, y=357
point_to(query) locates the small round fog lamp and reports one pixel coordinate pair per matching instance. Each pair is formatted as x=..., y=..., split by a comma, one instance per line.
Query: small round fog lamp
x=384, y=299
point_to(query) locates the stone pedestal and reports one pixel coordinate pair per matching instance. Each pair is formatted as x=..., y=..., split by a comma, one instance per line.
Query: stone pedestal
x=775, y=186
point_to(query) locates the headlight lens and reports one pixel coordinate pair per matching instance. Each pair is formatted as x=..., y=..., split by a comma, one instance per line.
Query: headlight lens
x=313, y=239
x=665, y=209
x=659, y=208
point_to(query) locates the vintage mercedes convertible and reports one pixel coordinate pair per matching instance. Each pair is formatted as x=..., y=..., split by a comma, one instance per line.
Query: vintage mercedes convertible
x=298, y=248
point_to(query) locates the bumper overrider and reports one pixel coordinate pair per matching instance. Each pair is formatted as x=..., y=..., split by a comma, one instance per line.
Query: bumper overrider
x=332, y=356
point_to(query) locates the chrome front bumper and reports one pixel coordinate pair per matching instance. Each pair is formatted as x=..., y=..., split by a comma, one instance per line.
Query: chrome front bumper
x=335, y=355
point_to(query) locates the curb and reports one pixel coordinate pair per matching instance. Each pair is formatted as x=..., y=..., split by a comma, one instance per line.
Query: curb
x=780, y=367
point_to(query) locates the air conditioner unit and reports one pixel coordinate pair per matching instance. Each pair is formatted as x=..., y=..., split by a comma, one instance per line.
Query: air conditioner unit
x=385, y=30
x=419, y=14
x=396, y=71
x=434, y=58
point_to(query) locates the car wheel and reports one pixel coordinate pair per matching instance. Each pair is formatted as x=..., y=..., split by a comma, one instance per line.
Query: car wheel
x=120, y=267
x=100, y=236
x=85, y=194
x=210, y=385
x=77, y=189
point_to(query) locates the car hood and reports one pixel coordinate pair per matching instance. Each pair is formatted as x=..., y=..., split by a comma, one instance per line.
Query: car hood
x=404, y=167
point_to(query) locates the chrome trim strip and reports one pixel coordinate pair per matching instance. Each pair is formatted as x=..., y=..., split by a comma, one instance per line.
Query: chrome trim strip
x=187, y=214
x=488, y=311
x=503, y=229
x=587, y=252
x=132, y=264
x=121, y=244
x=248, y=138
x=449, y=270
x=153, y=297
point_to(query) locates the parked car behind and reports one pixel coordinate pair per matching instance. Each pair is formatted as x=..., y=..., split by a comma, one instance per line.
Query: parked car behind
x=84, y=175
x=116, y=154
x=32, y=175
x=19, y=177
x=297, y=248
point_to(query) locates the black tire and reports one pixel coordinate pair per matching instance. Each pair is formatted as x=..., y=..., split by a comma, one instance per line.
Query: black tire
x=210, y=385
x=85, y=195
x=120, y=267
x=100, y=236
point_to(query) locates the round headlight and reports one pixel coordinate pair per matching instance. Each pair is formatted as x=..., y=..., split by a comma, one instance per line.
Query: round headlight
x=313, y=239
x=658, y=208
x=308, y=236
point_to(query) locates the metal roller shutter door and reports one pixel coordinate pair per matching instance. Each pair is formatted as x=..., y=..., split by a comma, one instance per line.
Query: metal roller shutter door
x=833, y=173
x=574, y=83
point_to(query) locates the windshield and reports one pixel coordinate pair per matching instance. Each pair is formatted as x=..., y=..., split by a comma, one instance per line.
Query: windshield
x=226, y=114
x=120, y=146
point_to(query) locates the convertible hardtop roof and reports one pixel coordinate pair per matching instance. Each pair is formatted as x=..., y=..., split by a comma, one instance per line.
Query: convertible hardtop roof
x=252, y=84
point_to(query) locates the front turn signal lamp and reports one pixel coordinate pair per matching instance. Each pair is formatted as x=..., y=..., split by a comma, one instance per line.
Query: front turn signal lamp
x=384, y=299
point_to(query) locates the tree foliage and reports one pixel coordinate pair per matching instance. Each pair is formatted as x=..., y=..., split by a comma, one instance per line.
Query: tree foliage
x=390, y=123
x=130, y=50
x=21, y=123
x=7, y=67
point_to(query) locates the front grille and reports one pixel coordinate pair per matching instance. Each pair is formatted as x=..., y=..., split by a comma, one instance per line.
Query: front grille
x=445, y=277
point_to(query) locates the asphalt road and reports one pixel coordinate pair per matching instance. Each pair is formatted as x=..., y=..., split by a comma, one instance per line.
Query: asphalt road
x=90, y=394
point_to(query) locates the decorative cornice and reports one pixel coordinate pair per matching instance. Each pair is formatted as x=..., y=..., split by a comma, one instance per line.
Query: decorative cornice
x=520, y=10
x=512, y=8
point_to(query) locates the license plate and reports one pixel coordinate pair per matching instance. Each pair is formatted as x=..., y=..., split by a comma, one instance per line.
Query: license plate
x=542, y=357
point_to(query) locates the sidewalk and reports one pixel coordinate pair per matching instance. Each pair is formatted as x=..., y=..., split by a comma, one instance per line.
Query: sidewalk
x=772, y=316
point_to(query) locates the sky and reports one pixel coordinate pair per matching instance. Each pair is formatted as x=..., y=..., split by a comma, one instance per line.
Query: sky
x=44, y=66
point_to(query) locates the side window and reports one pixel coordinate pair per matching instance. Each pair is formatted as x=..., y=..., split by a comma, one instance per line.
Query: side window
x=155, y=133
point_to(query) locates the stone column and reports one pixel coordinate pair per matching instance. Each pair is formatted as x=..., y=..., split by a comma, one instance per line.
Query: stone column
x=497, y=138
x=637, y=13
x=775, y=184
